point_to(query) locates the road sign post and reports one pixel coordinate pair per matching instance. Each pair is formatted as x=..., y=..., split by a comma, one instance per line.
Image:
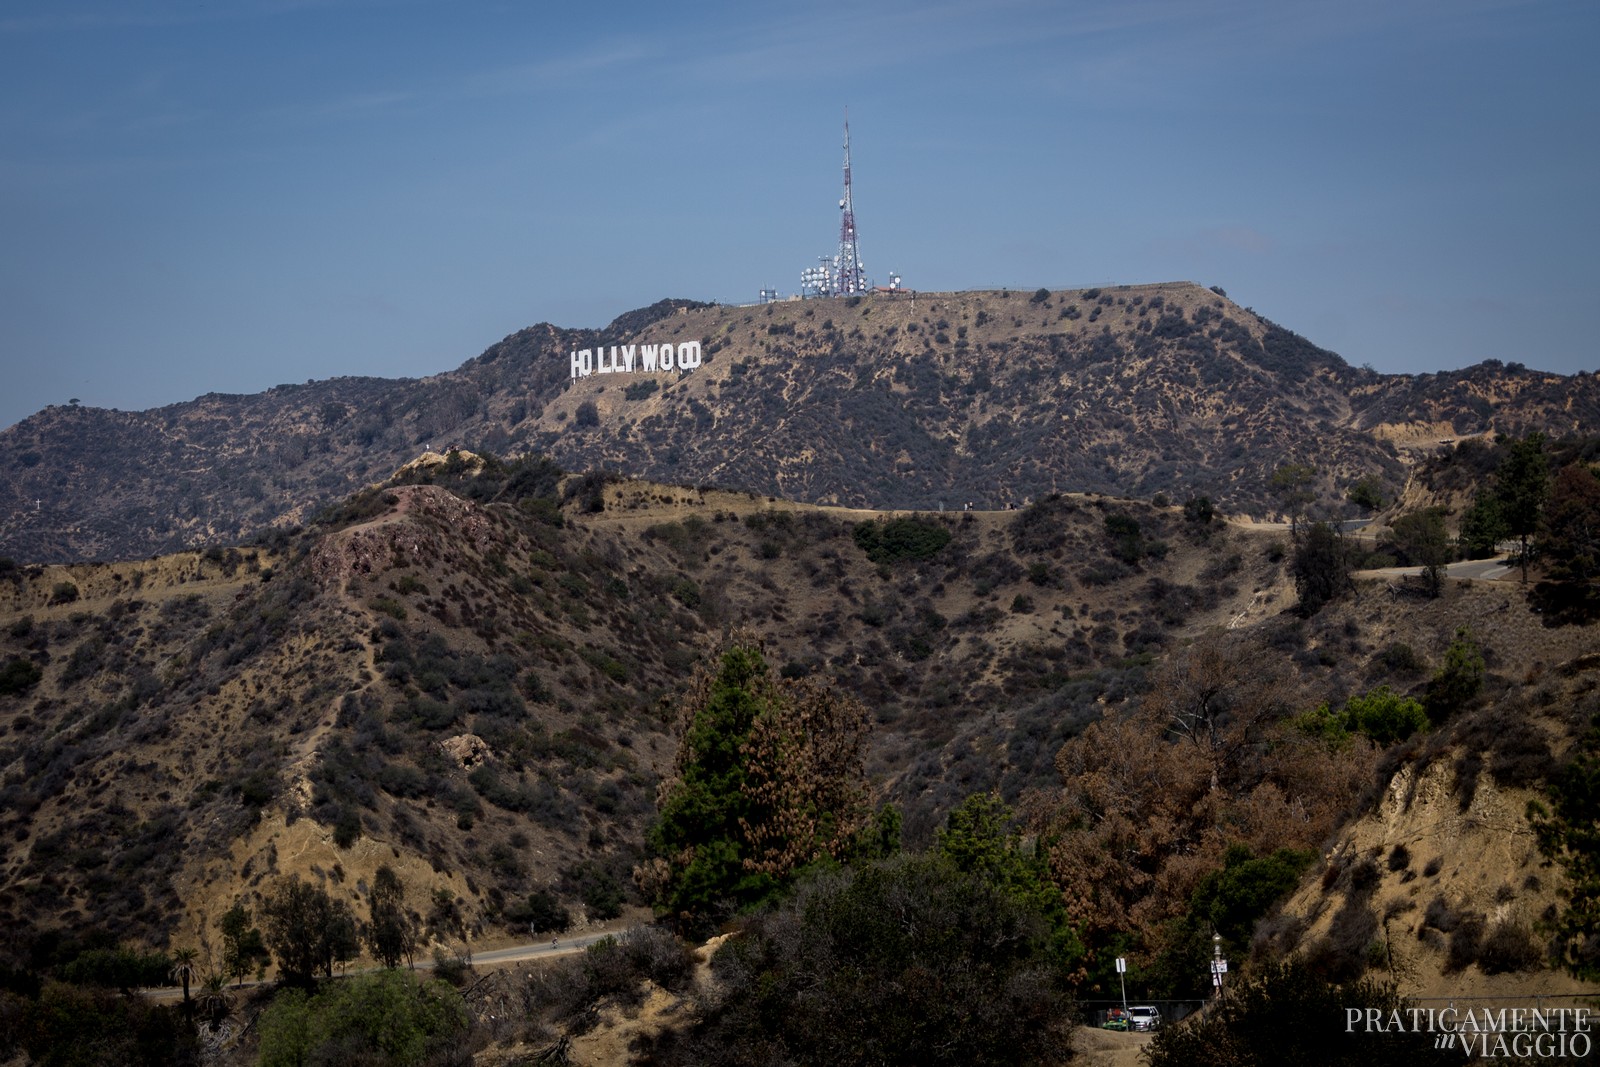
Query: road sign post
x=1219, y=966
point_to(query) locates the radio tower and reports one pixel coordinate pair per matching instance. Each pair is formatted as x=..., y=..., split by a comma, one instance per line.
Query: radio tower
x=852, y=273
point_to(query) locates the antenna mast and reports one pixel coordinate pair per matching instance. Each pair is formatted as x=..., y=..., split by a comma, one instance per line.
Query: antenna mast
x=852, y=272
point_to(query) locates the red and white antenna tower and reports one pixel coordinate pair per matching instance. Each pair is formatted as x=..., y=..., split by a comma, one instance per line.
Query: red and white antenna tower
x=851, y=272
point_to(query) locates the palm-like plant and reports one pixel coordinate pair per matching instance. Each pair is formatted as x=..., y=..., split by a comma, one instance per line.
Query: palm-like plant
x=184, y=968
x=215, y=1004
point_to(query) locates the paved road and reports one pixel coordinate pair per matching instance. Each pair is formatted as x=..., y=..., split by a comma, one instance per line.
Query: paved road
x=532, y=950
x=1481, y=570
x=565, y=946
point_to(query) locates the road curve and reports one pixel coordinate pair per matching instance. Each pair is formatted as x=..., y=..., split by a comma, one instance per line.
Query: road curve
x=1477, y=570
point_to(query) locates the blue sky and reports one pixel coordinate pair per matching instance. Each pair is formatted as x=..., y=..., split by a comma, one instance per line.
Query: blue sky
x=200, y=196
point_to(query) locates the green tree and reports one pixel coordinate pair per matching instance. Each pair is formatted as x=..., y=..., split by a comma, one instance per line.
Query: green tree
x=344, y=937
x=242, y=947
x=1324, y=724
x=905, y=962
x=388, y=1017
x=391, y=935
x=1227, y=903
x=1569, y=531
x=1366, y=493
x=878, y=838
x=1421, y=538
x=214, y=1003
x=1483, y=527
x=1569, y=835
x=1294, y=484
x=769, y=778
x=1458, y=680
x=1320, y=568
x=1127, y=540
x=1522, y=482
x=185, y=967
x=307, y=931
x=445, y=921
x=980, y=837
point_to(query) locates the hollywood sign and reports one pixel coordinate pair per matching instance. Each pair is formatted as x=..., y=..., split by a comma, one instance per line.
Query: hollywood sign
x=635, y=359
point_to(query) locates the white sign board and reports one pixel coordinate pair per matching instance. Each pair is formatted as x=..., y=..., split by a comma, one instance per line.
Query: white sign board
x=1122, y=965
x=635, y=359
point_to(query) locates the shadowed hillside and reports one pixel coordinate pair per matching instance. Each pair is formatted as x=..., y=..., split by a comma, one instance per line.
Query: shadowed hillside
x=470, y=675
x=463, y=675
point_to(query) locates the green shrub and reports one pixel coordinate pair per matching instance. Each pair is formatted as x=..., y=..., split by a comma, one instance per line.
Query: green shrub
x=971, y=982
x=18, y=676
x=1290, y=1017
x=346, y=827
x=1509, y=946
x=388, y=606
x=1199, y=510
x=1401, y=658
x=542, y=910
x=686, y=592
x=1367, y=493
x=410, y=583
x=69, y=1026
x=1326, y=725
x=906, y=537
x=119, y=968
x=1385, y=716
x=388, y=1017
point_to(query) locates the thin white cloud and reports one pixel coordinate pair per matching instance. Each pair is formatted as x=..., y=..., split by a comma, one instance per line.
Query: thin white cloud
x=540, y=74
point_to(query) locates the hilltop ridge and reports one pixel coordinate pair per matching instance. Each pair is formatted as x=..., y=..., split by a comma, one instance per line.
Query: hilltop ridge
x=911, y=400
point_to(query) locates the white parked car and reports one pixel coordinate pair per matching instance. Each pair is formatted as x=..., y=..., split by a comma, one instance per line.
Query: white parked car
x=1144, y=1017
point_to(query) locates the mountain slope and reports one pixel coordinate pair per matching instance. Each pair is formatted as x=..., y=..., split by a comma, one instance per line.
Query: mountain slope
x=468, y=675
x=906, y=401
x=473, y=682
